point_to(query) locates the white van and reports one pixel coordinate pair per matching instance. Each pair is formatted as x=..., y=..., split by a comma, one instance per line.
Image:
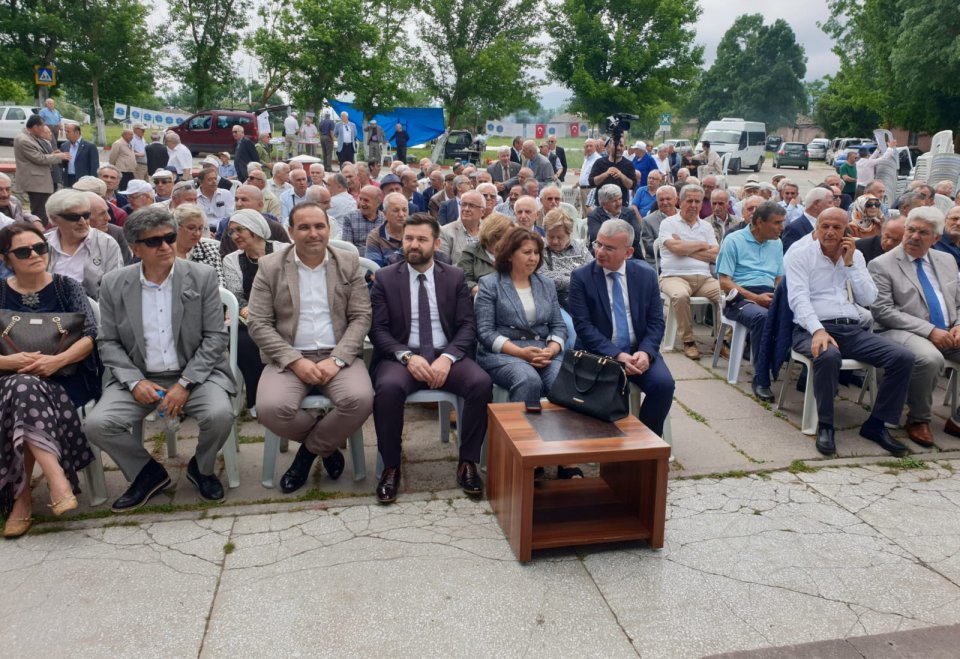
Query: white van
x=745, y=141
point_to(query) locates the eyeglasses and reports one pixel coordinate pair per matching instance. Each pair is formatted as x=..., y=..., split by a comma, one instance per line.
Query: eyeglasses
x=551, y=198
x=836, y=196
x=235, y=230
x=156, y=241
x=74, y=217
x=192, y=229
x=489, y=196
x=871, y=204
x=23, y=253
x=599, y=246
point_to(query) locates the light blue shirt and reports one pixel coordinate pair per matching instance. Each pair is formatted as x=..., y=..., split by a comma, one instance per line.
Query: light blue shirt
x=50, y=117
x=289, y=199
x=72, y=163
x=748, y=262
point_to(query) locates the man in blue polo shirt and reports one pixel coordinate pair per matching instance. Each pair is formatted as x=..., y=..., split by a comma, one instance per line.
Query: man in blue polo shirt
x=751, y=263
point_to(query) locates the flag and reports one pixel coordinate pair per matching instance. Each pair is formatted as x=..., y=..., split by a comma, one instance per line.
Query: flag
x=119, y=112
x=541, y=131
x=574, y=130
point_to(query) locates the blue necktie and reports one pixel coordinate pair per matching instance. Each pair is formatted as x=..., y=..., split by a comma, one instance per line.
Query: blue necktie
x=936, y=313
x=621, y=330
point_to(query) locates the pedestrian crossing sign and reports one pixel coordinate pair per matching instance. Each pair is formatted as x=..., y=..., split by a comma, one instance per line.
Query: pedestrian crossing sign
x=45, y=75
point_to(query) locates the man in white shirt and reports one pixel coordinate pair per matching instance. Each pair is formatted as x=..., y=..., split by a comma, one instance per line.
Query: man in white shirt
x=295, y=195
x=216, y=202
x=688, y=246
x=828, y=283
x=342, y=202
x=164, y=346
x=309, y=313
x=590, y=156
x=280, y=179
x=178, y=156
x=291, y=129
x=868, y=162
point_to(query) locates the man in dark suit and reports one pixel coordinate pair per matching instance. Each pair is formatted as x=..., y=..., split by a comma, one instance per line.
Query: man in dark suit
x=561, y=156
x=890, y=236
x=422, y=333
x=450, y=209
x=515, y=152
x=503, y=170
x=84, y=160
x=816, y=201
x=601, y=292
x=157, y=156
x=245, y=154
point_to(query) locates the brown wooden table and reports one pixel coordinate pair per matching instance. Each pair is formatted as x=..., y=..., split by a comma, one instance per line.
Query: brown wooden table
x=627, y=502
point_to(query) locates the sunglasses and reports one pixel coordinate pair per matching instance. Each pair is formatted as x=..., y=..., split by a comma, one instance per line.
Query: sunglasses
x=74, y=217
x=23, y=253
x=872, y=204
x=156, y=241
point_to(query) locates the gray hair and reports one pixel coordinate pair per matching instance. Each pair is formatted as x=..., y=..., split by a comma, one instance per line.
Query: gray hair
x=107, y=166
x=64, y=199
x=180, y=188
x=503, y=149
x=556, y=187
x=315, y=194
x=91, y=184
x=184, y=212
x=252, y=190
x=721, y=182
x=719, y=191
x=394, y=198
x=147, y=219
x=609, y=192
x=280, y=167
x=4, y=177
x=817, y=194
x=483, y=187
x=170, y=136
x=460, y=180
x=615, y=227
x=341, y=180
x=929, y=214
x=689, y=189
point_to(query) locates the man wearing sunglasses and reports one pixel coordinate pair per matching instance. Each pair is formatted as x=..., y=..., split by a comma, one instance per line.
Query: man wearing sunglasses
x=163, y=343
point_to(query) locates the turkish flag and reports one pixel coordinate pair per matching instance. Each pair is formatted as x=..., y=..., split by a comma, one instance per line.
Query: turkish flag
x=574, y=130
x=541, y=131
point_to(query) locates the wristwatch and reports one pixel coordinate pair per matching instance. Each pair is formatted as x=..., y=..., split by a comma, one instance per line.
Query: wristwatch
x=406, y=357
x=186, y=384
x=339, y=362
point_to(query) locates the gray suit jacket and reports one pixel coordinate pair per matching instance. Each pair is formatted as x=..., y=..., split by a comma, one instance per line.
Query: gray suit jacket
x=33, y=164
x=499, y=315
x=197, y=325
x=900, y=303
x=496, y=171
x=453, y=240
x=105, y=256
x=542, y=169
x=274, y=309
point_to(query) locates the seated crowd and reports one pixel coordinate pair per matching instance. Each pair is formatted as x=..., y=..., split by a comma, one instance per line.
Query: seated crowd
x=462, y=282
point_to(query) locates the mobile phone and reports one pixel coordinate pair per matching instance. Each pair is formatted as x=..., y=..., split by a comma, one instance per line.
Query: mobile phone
x=533, y=406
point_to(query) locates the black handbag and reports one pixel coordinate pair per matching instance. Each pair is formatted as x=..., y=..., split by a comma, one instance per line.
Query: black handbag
x=592, y=384
x=46, y=333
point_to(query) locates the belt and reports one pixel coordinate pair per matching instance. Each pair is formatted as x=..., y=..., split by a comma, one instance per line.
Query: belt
x=840, y=321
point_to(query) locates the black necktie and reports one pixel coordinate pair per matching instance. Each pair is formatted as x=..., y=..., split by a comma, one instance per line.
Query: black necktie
x=426, y=328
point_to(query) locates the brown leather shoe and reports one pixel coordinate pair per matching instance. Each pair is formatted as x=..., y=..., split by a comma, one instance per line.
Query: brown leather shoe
x=952, y=427
x=920, y=433
x=691, y=351
x=724, y=351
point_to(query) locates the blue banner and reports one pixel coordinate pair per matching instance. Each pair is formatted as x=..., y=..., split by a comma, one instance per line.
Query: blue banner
x=422, y=124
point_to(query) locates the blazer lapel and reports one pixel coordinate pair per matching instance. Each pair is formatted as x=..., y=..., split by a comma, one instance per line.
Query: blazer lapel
x=910, y=271
x=133, y=303
x=403, y=284
x=334, y=300
x=179, y=285
x=509, y=291
x=601, y=283
x=292, y=281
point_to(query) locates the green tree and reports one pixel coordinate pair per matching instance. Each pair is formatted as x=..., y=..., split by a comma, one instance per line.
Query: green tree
x=623, y=55
x=477, y=57
x=758, y=74
x=105, y=59
x=207, y=33
x=814, y=89
x=842, y=109
x=31, y=32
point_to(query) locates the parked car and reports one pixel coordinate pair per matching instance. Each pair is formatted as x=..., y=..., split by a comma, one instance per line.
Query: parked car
x=792, y=154
x=743, y=140
x=818, y=148
x=461, y=146
x=209, y=131
x=773, y=143
x=842, y=155
x=13, y=119
x=679, y=145
x=839, y=144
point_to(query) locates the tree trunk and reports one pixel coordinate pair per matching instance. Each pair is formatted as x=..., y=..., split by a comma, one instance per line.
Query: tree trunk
x=438, y=148
x=100, y=129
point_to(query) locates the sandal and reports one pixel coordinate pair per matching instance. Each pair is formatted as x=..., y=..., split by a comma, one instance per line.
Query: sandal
x=566, y=473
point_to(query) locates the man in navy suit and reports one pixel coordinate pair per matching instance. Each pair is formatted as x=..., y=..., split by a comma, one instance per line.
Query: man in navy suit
x=450, y=209
x=423, y=330
x=245, y=153
x=85, y=159
x=617, y=311
x=816, y=201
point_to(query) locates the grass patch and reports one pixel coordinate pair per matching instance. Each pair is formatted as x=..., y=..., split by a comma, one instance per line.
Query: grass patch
x=250, y=439
x=43, y=530
x=157, y=443
x=696, y=416
x=905, y=463
x=228, y=548
x=800, y=467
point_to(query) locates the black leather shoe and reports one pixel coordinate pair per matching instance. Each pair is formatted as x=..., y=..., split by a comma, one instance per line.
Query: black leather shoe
x=468, y=477
x=151, y=479
x=210, y=487
x=389, y=485
x=885, y=440
x=299, y=471
x=333, y=463
x=762, y=392
x=825, y=443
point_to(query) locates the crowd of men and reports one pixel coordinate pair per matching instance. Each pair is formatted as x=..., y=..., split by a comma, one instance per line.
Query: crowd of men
x=831, y=276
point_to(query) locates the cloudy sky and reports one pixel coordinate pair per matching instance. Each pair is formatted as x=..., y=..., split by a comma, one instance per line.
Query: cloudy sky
x=717, y=17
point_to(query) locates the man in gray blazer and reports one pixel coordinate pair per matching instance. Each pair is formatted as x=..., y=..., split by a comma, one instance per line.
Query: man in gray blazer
x=455, y=237
x=34, y=158
x=309, y=312
x=503, y=170
x=163, y=342
x=542, y=169
x=918, y=298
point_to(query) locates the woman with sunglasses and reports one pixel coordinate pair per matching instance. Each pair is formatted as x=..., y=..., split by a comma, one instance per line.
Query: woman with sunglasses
x=77, y=250
x=251, y=235
x=191, y=244
x=866, y=217
x=38, y=407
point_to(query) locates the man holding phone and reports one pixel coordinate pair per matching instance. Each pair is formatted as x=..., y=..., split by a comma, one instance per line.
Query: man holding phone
x=827, y=279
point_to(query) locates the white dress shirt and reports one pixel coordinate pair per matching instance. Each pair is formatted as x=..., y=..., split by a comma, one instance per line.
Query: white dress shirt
x=217, y=207
x=818, y=287
x=588, y=163
x=867, y=167
x=672, y=265
x=181, y=158
x=314, y=326
x=72, y=163
x=159, y=343
x=290, y=125
x=342, y=204
x=439, y=338
x=626, y=299
x=69, y=265
x=139, y=146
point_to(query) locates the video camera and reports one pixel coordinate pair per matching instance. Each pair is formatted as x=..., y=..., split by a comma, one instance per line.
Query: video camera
x=618, y=123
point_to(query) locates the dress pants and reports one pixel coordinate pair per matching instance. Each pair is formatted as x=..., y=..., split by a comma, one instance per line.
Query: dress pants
x=862, y=345
x=326, y=148
x=346, y=154
x=38, y=205
x=393, y=383
x=754, y=317
x=680, y=288
x=657, y=386
x=251, y=367
x=281, y=392
x=927, y=366
x=108, y=426
x=524, y=381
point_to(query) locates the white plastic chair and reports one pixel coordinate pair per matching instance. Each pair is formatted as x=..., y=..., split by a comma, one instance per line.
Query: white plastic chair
x=738, y=343
x=952, y=395
x=366, y=265
x=446, y=403
x=942, y=142
x=808, y=422
x=670, y=330
x=344, y=244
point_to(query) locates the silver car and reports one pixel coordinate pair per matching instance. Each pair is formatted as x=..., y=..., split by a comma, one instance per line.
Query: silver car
x=818, y=148
x=13, y=119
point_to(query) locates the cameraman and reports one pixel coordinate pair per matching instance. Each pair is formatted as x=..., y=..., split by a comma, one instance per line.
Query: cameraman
x=613, y=168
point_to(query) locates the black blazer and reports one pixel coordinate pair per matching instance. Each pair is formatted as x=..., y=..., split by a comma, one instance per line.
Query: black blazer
x=449, y=212
x=515, y=156
x=157, y=157
x=245, y=154
x=562, y=157
x=87, y=160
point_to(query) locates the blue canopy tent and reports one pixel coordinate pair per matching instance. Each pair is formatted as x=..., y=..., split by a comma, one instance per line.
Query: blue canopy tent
x=421, y=124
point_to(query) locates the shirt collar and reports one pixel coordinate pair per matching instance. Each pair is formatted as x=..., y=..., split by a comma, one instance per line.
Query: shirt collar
x=301, y=264
x=428, y=272
x=146, y=283
x=622, y=270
